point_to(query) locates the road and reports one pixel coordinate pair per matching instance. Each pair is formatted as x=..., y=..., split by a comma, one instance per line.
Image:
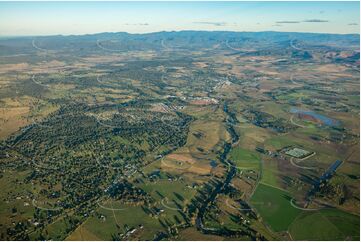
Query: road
x=37, y=47
x=293, y=46
x=293, y=122
x=303, y=167
x=38, y=83
x=104, y=48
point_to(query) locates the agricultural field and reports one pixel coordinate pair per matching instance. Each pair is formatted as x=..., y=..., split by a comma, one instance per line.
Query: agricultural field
x=189, y=135
x=325, y=224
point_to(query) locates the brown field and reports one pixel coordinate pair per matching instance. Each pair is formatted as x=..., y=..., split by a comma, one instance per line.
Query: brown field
x=202, y=102
x=329, y=68
x=185, y=163
x=12, y=117
x=201, y=64
x=82, y=234
x=200, y=169
x=251, y=136
x=181, y=157
x=242, y=185
x=4, y=68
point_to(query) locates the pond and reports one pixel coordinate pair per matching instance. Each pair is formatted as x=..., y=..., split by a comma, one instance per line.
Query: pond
x=324, y=119
x=213, y=163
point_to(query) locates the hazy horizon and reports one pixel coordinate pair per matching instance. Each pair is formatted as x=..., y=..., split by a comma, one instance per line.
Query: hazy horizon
x=78, y=18
x=185, y=30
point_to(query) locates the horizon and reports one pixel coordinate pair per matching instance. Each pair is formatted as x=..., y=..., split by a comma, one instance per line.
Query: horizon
x=80, y=18
x=176, y=31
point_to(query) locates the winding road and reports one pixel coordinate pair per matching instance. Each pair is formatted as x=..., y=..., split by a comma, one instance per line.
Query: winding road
x=37, y=47
x=303, y=167
x=298, y=125
x=106, y=49
x=301, y=208
x=295, y=47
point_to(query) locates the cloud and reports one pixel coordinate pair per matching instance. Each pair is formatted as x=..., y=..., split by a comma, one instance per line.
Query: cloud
x=315, y=21
x=212, y=23
x=287, y=22
x=137, y=24
x=353, y=24
x=304, y=21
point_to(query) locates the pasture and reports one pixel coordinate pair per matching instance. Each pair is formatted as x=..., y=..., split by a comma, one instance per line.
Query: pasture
x=274, y=207
x=245, y=159
x=326, y=224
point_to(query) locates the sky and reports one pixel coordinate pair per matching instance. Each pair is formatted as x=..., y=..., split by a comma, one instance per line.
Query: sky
x=51, y=18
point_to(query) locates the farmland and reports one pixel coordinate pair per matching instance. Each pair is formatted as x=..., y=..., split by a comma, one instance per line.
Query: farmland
x=274, y=206
x=326, y=223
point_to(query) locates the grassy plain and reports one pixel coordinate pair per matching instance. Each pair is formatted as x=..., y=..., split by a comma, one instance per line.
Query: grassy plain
x=274, y=206
x=325, y=224
x=245, y=159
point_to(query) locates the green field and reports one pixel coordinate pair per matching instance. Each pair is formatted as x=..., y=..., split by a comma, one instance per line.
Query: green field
x=116, y=222
x=270, y=173
x=170, y=189
x=327, y=224
x=278, y=142
x=245, y=158
x=169, y=194
x=274, y=207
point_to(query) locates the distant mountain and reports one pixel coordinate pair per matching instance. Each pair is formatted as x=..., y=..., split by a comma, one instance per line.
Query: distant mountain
x=188, y=40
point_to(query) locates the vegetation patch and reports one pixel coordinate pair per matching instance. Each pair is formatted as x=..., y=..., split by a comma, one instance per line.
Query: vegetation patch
x=274, y=207
x=246, y=159
x=326, y=224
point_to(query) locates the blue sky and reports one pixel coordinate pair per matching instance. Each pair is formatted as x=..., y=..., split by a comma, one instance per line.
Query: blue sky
x=47, y=18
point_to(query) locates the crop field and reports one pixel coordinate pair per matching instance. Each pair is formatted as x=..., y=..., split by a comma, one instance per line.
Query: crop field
x=270, y=173
x=274, y=206
x=326, y=224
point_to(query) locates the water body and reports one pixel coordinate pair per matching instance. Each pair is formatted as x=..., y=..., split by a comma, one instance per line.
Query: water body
x=325, y=120
x=213, y=163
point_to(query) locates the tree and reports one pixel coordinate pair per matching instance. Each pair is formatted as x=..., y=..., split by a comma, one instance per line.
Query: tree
x=14, y=210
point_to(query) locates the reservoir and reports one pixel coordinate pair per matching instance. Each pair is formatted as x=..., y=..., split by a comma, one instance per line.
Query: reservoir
x=324, y=119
